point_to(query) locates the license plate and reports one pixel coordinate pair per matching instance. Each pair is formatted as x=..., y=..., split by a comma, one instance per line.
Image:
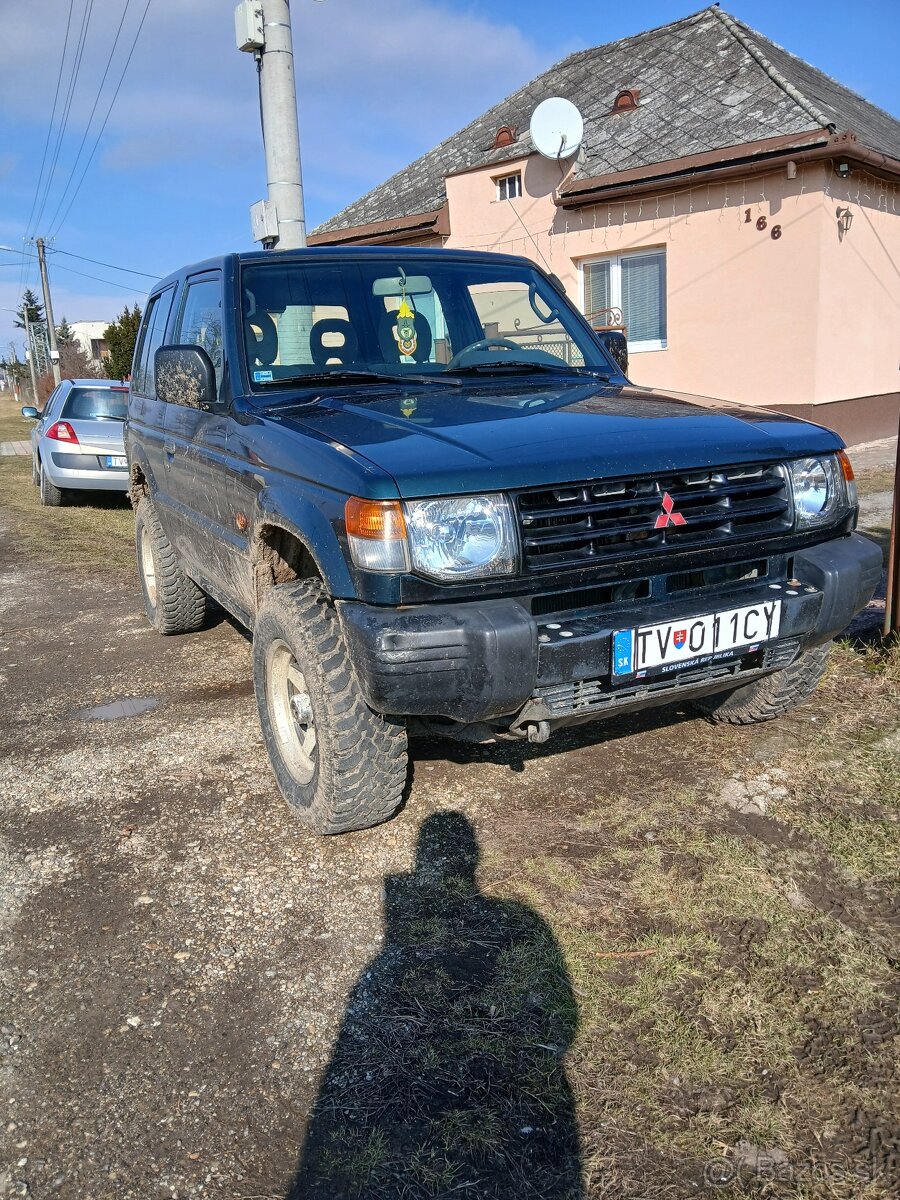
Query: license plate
x=689, y=642
x=117, y=460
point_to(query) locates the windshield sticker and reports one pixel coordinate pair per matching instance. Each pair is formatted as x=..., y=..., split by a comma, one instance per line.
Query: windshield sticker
x=262, y=377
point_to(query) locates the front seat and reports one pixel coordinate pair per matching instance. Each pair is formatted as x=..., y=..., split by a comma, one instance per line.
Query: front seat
x=388, y=343
x=346, y=352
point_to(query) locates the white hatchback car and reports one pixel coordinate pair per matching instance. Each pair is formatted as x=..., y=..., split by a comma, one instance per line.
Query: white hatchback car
x=77, y=441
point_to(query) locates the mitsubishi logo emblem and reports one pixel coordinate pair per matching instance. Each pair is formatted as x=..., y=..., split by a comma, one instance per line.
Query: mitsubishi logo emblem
x=668, y=516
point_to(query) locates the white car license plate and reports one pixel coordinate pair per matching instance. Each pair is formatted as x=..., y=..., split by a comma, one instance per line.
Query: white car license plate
x=117, y=460
x=692, y=641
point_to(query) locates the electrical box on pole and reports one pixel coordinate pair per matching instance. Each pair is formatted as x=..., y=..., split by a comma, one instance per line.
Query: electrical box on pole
x=264, y=222
x=248, y=26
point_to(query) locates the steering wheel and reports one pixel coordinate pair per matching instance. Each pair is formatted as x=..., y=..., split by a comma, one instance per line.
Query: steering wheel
x=483, y=344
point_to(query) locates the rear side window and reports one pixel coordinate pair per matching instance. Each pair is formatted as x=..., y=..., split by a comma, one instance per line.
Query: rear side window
x=96, y=404
x=152, y=334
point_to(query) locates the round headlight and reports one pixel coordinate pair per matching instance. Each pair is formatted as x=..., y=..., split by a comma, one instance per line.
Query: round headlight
x=820, y=490
x=461, y=537
x=811, y=491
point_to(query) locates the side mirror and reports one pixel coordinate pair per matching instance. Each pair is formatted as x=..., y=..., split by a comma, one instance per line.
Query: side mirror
x=31, y=412
x=615, y=344
x=185, y=375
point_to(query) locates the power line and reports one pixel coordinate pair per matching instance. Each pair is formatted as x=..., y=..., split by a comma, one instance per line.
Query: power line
x=62, y=63
x=90, y=119
x=98, y=263
x=112, y=102
x=67, y=108
x=112, y=282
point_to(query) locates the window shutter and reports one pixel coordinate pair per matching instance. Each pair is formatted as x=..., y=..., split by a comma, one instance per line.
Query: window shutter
x=644, y=297
x=596, y=288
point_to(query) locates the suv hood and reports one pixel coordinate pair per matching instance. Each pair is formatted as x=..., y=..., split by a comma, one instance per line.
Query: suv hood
x=441, y=440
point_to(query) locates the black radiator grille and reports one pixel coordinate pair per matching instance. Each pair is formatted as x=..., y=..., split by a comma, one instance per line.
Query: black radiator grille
x=577, y=524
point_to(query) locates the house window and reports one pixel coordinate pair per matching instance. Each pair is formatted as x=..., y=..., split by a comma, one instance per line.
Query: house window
x=635, y=283
x=509, y=186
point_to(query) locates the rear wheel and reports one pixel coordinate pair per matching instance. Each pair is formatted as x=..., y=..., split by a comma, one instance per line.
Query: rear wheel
x=340, y=765
x=172, y=601
x=51, y=495
x=771, y=696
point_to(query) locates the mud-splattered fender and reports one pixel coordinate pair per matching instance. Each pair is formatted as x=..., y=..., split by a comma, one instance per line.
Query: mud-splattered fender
x=139, y=465
x=317, y=528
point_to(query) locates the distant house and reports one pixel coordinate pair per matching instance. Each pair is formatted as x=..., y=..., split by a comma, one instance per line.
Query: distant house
x=735, y=208
x=90, y=337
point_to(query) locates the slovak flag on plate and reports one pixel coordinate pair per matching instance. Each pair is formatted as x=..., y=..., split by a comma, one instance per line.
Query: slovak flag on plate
x=679, y=637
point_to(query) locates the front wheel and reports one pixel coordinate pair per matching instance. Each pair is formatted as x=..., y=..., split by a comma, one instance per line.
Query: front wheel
x=769, y=697
x=340, y=765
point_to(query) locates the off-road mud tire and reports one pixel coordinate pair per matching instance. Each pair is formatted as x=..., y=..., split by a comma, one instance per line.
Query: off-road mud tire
x=178, y=605
x=359, y=763
x=51, y=495
x=769, y=697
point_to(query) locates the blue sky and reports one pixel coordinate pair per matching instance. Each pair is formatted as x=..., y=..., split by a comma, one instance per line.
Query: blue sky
x=180, y=160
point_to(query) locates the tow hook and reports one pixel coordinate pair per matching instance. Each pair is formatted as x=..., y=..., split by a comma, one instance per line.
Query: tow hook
x=538, y=731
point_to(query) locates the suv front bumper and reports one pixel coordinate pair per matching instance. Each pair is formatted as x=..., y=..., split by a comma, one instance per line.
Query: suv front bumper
x=483, y=660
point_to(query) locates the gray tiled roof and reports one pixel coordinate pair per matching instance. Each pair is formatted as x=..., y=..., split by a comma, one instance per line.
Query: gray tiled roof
x=701, y=89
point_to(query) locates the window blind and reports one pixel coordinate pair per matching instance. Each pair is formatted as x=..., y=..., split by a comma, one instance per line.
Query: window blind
x=643, y=297
x=596, y=288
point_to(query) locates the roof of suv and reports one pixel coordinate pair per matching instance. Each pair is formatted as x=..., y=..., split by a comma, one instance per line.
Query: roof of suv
x=222, y=261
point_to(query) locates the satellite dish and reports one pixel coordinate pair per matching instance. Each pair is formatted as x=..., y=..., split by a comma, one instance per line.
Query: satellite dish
x=557, y=128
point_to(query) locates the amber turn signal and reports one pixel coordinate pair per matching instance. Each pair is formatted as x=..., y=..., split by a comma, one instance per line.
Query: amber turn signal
x=381, y=520
x=846, y=466
x=376, y=534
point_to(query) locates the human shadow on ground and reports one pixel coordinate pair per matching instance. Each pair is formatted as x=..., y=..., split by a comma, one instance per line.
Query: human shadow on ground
x=448, y=1075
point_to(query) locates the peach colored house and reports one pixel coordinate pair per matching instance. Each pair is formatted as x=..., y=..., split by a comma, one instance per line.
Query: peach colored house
x=735, y=209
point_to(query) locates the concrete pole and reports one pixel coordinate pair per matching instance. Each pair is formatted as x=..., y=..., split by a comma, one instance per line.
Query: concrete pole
x=48, y=310
x=34, y=390
x=278, y=97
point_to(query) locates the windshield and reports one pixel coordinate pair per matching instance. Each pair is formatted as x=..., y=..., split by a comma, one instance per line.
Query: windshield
x=93, y=404
x=404, y=318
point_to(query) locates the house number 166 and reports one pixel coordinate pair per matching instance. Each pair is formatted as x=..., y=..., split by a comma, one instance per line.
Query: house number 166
x=761, y=224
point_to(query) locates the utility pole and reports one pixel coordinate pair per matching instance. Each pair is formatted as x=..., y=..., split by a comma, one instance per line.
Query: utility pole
x=263, y=27
x=30, y=352
x=48, y=311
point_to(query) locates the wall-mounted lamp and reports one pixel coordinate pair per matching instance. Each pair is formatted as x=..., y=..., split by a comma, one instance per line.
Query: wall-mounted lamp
x=843, y=169
x=844, y=221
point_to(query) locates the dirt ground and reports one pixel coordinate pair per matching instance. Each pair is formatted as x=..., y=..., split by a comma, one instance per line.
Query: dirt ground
x=653, y=958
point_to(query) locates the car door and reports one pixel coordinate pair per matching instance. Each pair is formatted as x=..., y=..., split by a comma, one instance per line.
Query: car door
x=146, y=412
x=195, y=446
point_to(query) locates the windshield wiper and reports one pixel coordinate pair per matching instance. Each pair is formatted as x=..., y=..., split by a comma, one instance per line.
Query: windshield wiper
x=519, y=364
x=318, y=378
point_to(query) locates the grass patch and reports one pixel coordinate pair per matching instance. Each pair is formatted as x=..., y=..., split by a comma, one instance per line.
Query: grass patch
x=93, y=530
x=13, y=426
x=876, y=479
x=734, y=981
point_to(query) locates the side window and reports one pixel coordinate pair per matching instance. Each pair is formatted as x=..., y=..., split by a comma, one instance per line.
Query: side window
x=152, y=334
x=51, y=400
x=200, y=322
